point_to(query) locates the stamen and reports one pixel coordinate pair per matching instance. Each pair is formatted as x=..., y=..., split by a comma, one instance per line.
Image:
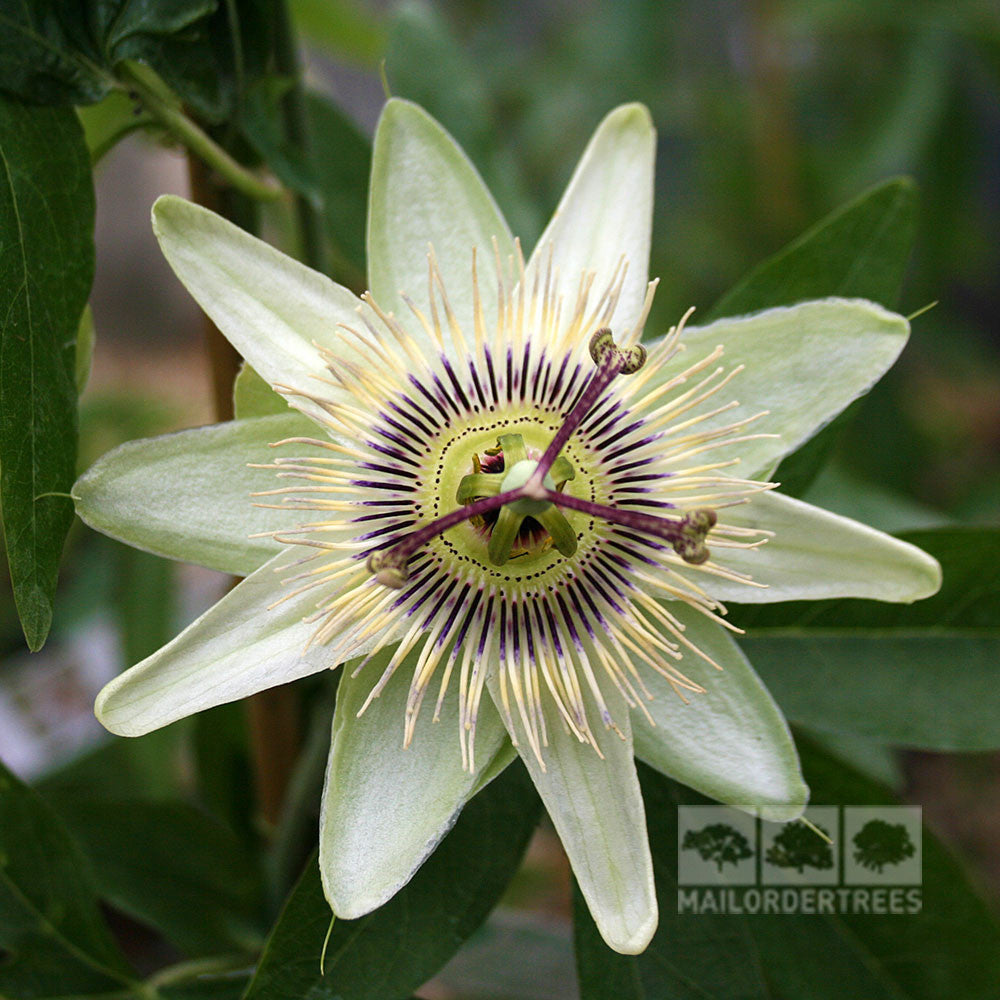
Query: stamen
x=389, y=565
x=611, y=360
x=686, y=534
x=527, y=489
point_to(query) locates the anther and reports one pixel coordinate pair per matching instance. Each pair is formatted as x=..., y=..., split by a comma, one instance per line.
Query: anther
x=388, y=568
x=603, y=350
x=611, y=360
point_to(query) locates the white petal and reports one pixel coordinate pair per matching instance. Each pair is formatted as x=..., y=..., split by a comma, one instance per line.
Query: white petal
x=804, y=364
x=815, y=555
x=605, y=214
x=596, y=807
x=732, y=742
x=188, y=495
x=385, y=808
x=272, y=309
x=424, y=191
x=239, y=646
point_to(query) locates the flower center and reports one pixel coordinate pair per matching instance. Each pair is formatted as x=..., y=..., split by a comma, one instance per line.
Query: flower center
x=527, y=526
x=530, y=489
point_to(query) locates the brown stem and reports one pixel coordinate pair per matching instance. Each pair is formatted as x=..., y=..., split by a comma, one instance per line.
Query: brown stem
x=273, y=715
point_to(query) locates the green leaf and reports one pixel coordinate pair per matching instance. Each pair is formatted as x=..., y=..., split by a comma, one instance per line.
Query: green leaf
x=253, y=397
x=170, y=866
x=391, y=952
x=205, y=51
x=340, y=157
x=58, y=53
x=46, y=268
x=858, y=251
x=483, y=970
x=950, y=948
x=50, y=923
x=922, y=675
x=837, y=490
x=346, y=28
x=85, y=337
x=108, y=121
x=332, y=172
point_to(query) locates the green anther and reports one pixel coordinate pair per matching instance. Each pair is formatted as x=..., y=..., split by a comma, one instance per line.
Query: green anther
x=562, y=471
x=695, y=526
x=602, y=345
x=505, y=531
x=518, y=470
x=388, y=569
x=476, y=485
x=560, y=531
x=514, y=451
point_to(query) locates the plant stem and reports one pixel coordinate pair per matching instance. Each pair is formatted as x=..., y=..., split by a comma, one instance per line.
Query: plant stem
x=273, y=715
x=296, y=127
x=164, y=107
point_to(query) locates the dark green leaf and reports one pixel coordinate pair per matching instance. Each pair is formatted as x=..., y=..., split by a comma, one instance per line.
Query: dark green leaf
x=346, y=28
x=148, y=768
x=223, y=766
x=859, y=251
x=341, y=161
x=50, y=923
x=46, y=268
x=391, y=952
x=331, y=172
x=950, y=948
x=483, y=970
x=85, y=337
x=52, y=52
x=172, y=867
x=920, y=675
x=57, y=53
x=144, y=602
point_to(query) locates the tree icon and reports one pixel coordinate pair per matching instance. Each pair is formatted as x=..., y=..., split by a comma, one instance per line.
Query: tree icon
x=799, y=847
x=720, y=843
x=879, y=844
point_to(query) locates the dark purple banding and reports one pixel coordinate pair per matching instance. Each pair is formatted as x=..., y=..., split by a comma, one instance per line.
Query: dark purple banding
x=599, y=381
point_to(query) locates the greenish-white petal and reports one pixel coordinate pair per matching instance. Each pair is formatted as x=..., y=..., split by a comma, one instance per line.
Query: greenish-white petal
x=275, y=311
x=385, y=808
x=424, y=191
x=803, y=365
x=188, y=495
x=240, y=646
x=605, y=214
x=814, y=554
x=732, y=742
x=596, y=807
